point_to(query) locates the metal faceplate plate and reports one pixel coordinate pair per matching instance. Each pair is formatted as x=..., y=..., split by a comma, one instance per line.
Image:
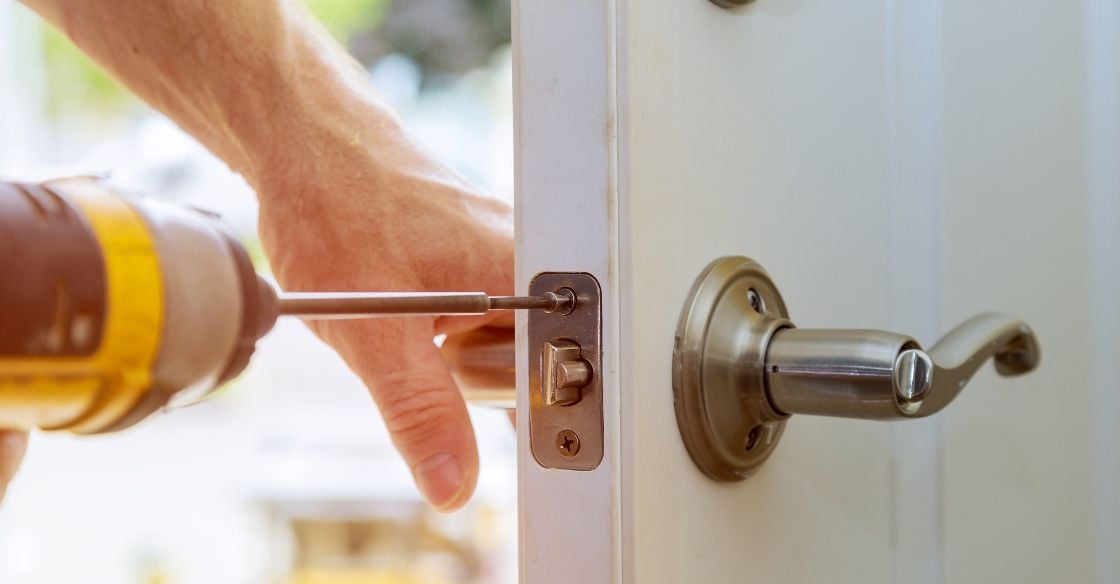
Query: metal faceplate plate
x=725, y=326
x=566, y=434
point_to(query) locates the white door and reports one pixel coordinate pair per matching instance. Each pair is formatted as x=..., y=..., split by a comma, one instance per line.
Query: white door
x=897, y=165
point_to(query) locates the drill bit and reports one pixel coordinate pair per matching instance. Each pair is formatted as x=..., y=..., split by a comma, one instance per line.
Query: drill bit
x=336, y=305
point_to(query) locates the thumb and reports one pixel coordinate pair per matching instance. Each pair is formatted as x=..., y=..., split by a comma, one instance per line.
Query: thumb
x=13, y=443
x=423, y=410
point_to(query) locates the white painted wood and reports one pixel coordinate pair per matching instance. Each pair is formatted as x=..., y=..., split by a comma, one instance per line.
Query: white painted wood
x=1026, y=228
x=899, y=165
x=1102, y=124
x=565, y=196
x=914, y=117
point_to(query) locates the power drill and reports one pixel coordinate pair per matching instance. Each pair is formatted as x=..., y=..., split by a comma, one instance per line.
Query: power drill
x=114, y=307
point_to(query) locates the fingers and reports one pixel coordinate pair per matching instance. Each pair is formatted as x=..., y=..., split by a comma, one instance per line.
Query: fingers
x=13, y=444
x=457, y=324
x=422, y=408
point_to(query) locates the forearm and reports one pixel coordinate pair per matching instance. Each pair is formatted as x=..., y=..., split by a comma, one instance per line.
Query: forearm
x=253, y=80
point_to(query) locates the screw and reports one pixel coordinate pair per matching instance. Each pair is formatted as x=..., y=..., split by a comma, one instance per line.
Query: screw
x=567, y=442
x=755, y=301
x=752, y=438
x=563, y=301
x=913, y=375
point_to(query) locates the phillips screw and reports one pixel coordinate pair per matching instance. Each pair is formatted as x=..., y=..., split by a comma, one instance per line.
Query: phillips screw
x=567, y=442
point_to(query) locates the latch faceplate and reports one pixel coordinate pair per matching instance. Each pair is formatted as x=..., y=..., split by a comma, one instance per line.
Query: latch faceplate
x=565, y=375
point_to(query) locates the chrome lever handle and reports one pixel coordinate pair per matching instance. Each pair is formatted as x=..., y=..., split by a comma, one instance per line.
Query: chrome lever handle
x=881, y=375
x=741, y=368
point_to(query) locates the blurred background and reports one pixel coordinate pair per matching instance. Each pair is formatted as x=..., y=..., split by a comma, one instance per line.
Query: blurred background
x=289, y=475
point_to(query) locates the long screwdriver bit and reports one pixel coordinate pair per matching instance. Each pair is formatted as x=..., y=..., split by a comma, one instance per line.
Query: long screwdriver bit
x=336, y=305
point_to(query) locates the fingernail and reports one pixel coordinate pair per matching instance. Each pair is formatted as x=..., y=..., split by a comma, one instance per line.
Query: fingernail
x=440, y=477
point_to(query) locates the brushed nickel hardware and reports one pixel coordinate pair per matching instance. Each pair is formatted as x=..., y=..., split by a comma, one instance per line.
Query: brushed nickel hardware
x=564, y=357
x=721, y=345
x=565, y=372
x=565, y=379
x=567, y=443
x=483, y=364
x=741, y=368
x=350, y=305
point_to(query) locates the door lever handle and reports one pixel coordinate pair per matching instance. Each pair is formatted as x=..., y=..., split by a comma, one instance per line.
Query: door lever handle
x=741, y=368
x=882, y=375
x=1008, y=341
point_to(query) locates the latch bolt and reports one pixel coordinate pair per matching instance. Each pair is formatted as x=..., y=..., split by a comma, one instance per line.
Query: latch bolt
x=565, y=372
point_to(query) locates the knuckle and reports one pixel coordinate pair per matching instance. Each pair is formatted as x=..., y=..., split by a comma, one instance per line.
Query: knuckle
x=416, y=406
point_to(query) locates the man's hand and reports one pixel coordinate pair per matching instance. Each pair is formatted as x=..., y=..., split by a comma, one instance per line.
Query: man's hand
x=13, y=443
x=348, y=201
x=354, y=223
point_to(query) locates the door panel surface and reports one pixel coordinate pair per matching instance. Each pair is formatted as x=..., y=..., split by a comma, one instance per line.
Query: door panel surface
x=897, y=165
x=786, y=165
x=1018, y=470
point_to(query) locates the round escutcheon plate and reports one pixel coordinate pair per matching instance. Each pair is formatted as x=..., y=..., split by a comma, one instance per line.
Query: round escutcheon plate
x=724, y=416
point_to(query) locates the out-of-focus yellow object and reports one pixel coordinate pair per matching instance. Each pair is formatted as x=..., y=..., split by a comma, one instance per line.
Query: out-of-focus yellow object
x=85, y=392
x=157, y=577
x=114, y=307
x=357, y=576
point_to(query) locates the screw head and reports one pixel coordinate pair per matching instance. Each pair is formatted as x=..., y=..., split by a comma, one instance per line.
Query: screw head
x=567, y=442
x=755, y=300
x=752, y=438
x=913, y=375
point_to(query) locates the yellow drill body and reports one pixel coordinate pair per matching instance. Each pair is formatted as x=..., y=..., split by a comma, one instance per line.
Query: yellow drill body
x=112, y=308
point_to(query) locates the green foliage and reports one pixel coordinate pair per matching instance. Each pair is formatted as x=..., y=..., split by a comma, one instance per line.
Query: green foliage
x=344, y=18
x=75, y=84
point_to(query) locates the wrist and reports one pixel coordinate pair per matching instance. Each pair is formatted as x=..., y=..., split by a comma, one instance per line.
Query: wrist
x=307, y=109
x=306, y=136
x=332, y=142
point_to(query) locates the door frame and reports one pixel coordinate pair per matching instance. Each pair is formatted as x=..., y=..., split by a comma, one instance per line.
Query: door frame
x=567, y=191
